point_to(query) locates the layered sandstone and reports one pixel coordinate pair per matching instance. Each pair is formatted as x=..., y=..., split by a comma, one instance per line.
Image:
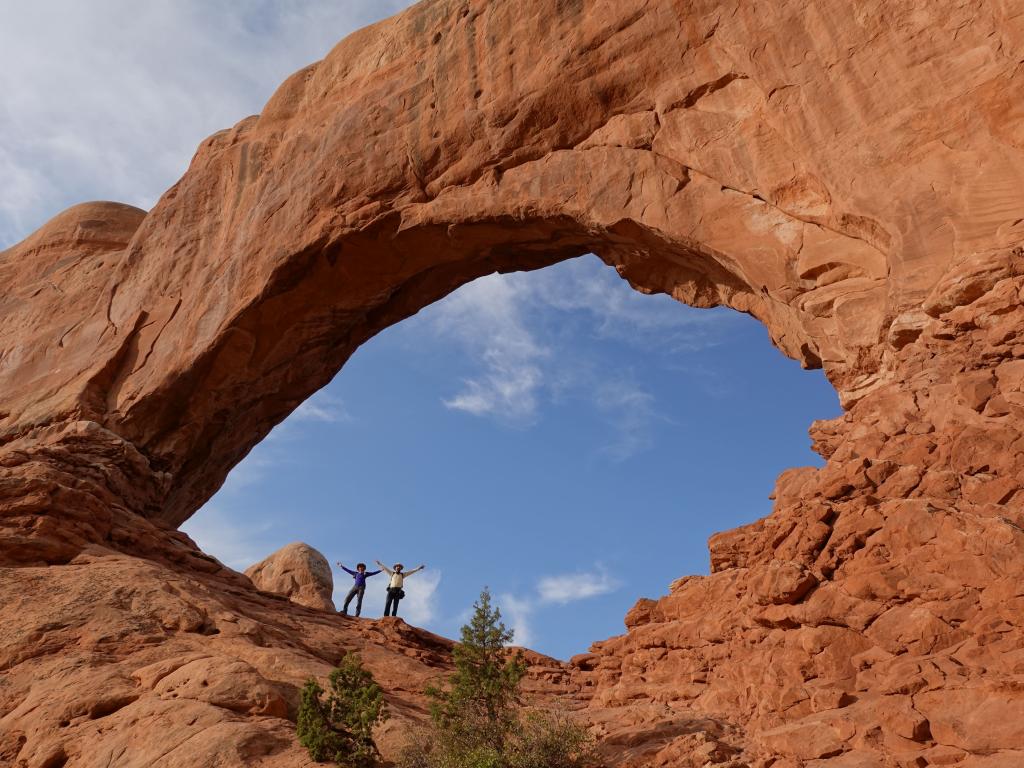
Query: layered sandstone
x=850, y=174
x=298, y=572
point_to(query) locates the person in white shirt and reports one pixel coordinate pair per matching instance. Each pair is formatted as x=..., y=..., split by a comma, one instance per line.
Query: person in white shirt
x=395, y=584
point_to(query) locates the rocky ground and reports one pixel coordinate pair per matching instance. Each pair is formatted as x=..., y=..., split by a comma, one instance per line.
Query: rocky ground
x=113, y=659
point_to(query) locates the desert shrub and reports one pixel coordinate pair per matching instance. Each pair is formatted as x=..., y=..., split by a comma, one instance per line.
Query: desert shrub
x=337, y=725
x=546, y=740
x=478, y=719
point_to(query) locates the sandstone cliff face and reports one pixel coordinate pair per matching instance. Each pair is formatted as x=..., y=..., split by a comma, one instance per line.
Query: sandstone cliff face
x=298, y=572
x=850, y=174
x=876, y=615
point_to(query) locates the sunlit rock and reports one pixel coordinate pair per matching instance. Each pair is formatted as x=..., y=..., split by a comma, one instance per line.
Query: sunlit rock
x=298, y=572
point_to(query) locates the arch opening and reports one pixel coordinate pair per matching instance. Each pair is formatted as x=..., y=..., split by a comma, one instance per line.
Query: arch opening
x=552, y=434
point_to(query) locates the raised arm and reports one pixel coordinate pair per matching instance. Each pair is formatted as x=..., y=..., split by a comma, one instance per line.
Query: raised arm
x=371, y=573
x=384, y=568
x=346, y=570
x=414, y=570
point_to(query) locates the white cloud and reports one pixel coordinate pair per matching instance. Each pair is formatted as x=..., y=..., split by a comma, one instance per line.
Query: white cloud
x=235, y=544
x=487, y=317
x=517, y=613
x=322, y=407
x=523, y=332
x=570, y=587
x=108, y=99
x=420, y=606
x=560, y=589
x=508, y=390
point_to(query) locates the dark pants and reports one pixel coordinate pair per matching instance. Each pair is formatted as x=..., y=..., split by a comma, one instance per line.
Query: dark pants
x=359, y=603
x=391, y=604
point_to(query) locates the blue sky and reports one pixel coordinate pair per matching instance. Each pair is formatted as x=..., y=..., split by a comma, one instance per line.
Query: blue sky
x=554, y=435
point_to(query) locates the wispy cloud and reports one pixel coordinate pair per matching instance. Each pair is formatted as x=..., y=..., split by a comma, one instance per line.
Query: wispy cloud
x=76, y=124
x=523, y=332
x=507, y=390
x=487, y=317
x=586, y=286
x=631, y=412
x=518, y=613
x=277, y=449
x=322, y=407
x=422, y=610
x=252, y=470
x=235, y=543
x=569, y=587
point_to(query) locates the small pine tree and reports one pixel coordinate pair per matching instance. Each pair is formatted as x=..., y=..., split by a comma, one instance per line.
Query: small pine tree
x=484, y=691
x=546, y=741
x=340, y=727
x=476, y=721
x=314, y=728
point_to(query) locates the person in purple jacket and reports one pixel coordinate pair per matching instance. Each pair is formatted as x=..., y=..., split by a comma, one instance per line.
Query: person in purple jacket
x=359, y=575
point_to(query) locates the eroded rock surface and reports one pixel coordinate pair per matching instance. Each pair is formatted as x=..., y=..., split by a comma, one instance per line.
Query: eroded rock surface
x=115, y=659
x=850, y=174
x=298, y=572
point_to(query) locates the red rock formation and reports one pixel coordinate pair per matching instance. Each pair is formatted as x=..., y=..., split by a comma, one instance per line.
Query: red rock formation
x=298, y=572
x=116, y=659
x=850, y=174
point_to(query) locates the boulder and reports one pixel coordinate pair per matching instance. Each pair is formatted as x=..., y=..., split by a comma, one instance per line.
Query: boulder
x=298, y=572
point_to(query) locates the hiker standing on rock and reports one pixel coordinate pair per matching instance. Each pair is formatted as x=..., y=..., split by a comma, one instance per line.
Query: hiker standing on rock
x=359, y=575
x=395, y=591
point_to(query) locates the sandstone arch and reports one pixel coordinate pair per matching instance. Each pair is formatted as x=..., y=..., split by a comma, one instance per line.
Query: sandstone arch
x=851, y=176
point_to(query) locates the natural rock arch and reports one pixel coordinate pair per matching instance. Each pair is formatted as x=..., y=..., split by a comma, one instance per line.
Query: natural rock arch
x=364, y=191
x=726, y=154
